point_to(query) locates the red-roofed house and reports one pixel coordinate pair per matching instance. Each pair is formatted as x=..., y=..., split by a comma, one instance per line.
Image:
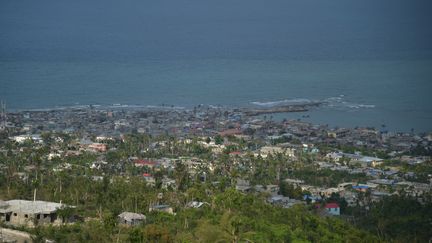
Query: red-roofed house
x=333, y=208
x=142, y=163
x=230, y=132
x=149, y=179
x=98, y=147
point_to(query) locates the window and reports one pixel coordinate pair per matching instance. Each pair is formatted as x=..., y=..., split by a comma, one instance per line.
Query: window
x=26, y=215
x=15, y=214
x=38, y=216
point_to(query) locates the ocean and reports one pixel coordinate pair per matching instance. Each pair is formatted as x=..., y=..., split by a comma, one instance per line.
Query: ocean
x=369, y=62
x=355, y=93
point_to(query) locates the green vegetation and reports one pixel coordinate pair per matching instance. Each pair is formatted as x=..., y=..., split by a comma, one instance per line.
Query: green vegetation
x=397, y=219
x=227, y=216
x=231, y=217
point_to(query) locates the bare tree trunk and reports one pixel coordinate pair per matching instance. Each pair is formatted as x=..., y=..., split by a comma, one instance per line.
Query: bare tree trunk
x=60, y=185
x=136, y=204
x=118, y=235
x=100, y=212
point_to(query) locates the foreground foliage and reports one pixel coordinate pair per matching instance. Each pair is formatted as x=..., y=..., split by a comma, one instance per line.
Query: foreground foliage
x=231, y=217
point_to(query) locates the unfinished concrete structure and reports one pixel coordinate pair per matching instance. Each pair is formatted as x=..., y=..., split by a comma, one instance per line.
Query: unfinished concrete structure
x=29, y=213
x=132, y=219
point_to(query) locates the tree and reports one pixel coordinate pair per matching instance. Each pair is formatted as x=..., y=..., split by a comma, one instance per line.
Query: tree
x=181, y=176
x=219, y=140
x=156, y=233
x=289, y=190
x=65, y=212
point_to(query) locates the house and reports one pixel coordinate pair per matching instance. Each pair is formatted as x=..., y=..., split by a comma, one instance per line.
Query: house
x=361, y=188
x=364, y=161
x=285, y=202
x=98, y=165
x=379, y=195
x=294, y=182
x=273, y=150
x=143, y=163
x=131, y=219
x=162, y=208
x=30, y=213
x=196, y=204
x=168, y=183
x=104, y=138
x=230, y=132
x=272, y=188
x=350, y=197
x=22, y=138
x=98, y=147
x=149, y=179
x=243, y=185
x=278, y=200
x=313, y=199
x=385, y=182
x=369, y=161
x=332, y=209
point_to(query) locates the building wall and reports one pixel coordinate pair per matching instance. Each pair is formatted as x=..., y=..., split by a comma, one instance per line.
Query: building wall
x=26, y=219
x=132, y=222
x=18, y=218
x=333, y=211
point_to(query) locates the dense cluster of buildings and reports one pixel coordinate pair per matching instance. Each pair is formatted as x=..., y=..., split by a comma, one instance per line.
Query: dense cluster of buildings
x=96, y=128
x=201, y=121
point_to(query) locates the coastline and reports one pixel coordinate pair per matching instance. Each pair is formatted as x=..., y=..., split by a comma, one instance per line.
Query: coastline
x=316, y=113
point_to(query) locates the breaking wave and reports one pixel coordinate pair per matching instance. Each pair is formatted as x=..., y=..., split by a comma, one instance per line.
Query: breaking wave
x=340, y=102
x=297, y=101
x=337, y=102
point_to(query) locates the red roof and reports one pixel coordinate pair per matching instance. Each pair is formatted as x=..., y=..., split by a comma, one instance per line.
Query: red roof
x=332, y=205
x=235, y=153
x=146, y=175
x=229, y=132
x=144, y=162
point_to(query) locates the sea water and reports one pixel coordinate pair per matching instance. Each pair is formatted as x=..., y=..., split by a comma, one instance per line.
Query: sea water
x=395, y=94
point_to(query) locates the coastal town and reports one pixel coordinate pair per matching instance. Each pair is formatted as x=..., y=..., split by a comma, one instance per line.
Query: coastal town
x=173, y=160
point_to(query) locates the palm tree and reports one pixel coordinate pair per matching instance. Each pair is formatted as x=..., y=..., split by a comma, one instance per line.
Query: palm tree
x=231, y=225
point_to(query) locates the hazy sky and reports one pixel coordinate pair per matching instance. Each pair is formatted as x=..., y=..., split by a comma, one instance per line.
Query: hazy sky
x=250, y=29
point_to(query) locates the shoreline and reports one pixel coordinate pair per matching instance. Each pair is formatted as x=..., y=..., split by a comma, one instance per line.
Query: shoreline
x=315, y=113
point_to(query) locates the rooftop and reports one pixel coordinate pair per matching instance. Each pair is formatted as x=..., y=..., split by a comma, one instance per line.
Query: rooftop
x=332, y=205
x=130, y=216
x=31, y=207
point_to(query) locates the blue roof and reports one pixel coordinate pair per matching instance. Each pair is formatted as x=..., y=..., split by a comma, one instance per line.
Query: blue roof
x=311, y=197
x=161, y=206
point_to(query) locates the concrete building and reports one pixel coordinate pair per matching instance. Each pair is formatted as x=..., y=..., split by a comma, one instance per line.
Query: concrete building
x=162, y=208
x=333, y=209
x=29, y=213
x=131, y=219
x=273, y=150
